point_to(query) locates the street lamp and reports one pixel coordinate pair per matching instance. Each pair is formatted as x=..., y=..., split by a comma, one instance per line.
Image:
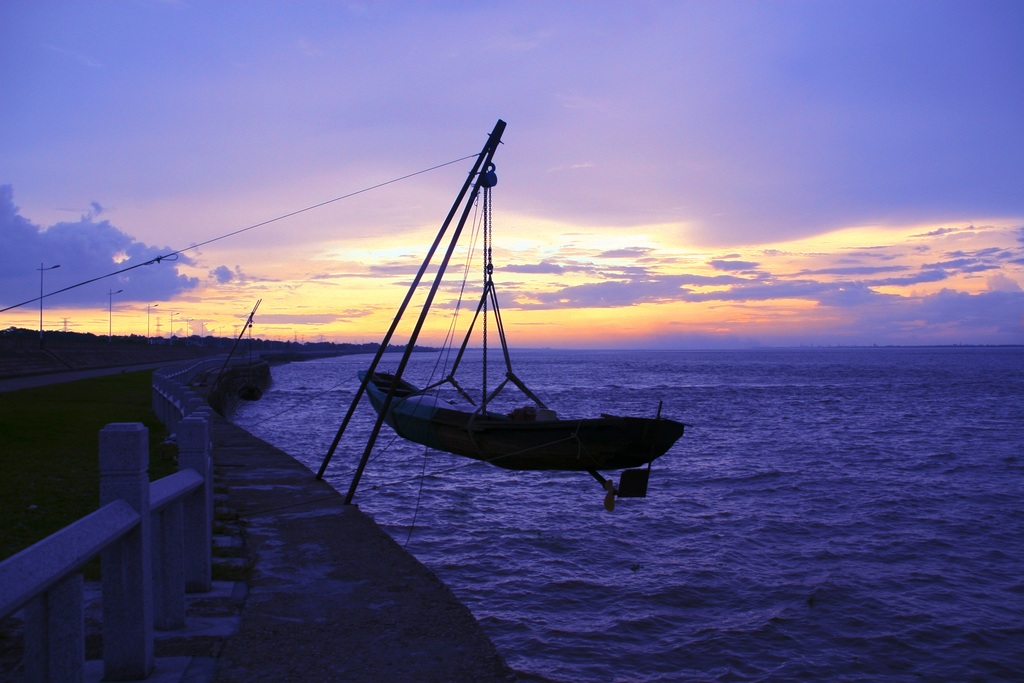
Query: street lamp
x=41, y=270
x=148, y=306
x=172, y=324
x=110, y=314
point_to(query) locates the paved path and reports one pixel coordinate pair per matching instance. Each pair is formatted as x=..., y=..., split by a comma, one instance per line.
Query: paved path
x=332, y=596
x=29, y=381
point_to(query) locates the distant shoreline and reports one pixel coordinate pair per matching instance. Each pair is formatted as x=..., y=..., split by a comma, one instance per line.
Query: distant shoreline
x=805, y=347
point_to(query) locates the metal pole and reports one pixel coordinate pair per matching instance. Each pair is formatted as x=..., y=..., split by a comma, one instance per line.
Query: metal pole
x=483, y=162
x=491, y=145
x=248, y=325
x=110, y=314
x=41, y=269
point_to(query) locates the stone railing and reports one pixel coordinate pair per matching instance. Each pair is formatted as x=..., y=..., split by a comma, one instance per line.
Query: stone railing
x=174, y=397
x=154, y=541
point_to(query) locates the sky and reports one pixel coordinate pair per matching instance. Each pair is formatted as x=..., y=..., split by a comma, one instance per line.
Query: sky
x=689, y=174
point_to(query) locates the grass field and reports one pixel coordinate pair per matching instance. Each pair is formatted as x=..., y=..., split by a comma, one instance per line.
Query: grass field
x=49, y=451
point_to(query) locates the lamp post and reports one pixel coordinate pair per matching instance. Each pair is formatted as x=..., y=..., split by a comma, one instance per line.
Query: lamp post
x=110, y=314
x=148, y=306
x=172, y=324
x=41, y=271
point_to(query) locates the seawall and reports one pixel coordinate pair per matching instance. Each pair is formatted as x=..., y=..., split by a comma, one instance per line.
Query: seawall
x=331, y=595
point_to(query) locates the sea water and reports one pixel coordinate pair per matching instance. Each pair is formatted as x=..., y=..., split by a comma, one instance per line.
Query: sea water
x=829, y=514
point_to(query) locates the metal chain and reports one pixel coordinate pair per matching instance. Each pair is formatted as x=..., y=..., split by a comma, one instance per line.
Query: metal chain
x=488, y=270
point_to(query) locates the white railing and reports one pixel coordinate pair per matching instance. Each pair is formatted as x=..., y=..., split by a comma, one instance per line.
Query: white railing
x=154, y=541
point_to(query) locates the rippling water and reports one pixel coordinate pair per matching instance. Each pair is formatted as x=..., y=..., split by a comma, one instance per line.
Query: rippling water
x=830, y=514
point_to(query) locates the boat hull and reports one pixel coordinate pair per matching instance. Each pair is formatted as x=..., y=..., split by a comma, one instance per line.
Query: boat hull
x=606, y=443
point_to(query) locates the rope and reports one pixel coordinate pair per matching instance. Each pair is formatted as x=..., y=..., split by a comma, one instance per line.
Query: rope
x=449, y=339
x=435, y=473
x=302, y=403
x=419, y=496
x=420, y=477
x=173, y=256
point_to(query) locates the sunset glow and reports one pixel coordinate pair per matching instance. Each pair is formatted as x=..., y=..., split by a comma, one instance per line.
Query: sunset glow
x=756, y=192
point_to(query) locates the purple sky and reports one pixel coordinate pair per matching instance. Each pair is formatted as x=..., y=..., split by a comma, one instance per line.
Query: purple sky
x=688, y=173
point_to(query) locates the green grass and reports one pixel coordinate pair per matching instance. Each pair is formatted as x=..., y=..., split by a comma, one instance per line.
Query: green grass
x=49, y=451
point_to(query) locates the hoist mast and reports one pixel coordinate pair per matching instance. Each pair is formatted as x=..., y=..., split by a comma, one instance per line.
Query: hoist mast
x=481, y=174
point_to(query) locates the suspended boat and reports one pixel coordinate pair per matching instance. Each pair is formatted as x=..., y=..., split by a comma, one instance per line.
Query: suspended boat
x=527, y=438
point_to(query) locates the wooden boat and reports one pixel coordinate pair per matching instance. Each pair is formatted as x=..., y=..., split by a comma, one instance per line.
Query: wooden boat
x=525, y=439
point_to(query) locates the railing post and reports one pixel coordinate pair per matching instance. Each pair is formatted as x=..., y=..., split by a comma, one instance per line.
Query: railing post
x=126, y=565
x=168, y=569
x=175, y=409
x=156, y=394
x=192, y=404
x=55, y=633
x=168, y=408
x=194, y=453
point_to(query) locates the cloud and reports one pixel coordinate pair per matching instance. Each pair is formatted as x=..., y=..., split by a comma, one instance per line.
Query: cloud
x=544, y=267
x=769, y=290
x=721, y=264
x=630, y=253
x=998, y=311
x=84, y=250
x=855, y=270
x=835, y=286
x=943, y=231
x=601, y=295
x=929, y=274
x=297, y=318
x=1002, y=283
x=224, y=275
x=955, y=264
